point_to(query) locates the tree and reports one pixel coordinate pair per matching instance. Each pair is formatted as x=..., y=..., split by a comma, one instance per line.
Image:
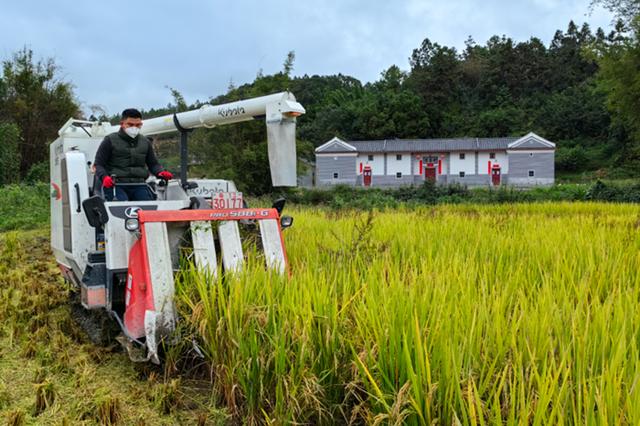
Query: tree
x=627, y=10
x=619, y=76
x=435, y=77
x=9, y=154
x=287, y=67
x=178, y=98
x=37, y=101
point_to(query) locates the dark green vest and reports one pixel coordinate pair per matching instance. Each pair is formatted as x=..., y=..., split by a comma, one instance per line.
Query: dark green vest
x=128, y=158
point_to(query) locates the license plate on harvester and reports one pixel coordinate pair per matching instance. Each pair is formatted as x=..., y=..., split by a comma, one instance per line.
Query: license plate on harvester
x=226, y=200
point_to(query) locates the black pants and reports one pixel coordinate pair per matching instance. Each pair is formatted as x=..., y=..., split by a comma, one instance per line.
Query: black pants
x=129, y=193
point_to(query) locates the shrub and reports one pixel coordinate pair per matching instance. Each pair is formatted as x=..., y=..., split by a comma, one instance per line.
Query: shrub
x=24, y=206
x=571, y=159
x=601, y=191
x=38, y=172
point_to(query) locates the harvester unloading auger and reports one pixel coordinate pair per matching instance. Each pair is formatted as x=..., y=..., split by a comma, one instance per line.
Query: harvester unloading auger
x=122, y=255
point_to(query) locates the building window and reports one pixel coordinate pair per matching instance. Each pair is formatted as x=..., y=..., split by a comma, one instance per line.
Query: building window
x=531, y=154
x=431, y=159
x=399, y=157
x=399, y=175
x=462, y=155
x=461, y=174
x=532, y=173
x=335, y=175
x=370, y=157
x=492, y=155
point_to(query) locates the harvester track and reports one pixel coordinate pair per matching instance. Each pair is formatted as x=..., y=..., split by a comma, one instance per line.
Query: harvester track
x=97, y=324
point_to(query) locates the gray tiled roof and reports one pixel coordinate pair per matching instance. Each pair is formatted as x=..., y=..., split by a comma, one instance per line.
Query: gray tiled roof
x=432, y=145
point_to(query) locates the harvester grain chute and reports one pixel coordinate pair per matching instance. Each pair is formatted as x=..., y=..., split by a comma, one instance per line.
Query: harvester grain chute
x=122, y=256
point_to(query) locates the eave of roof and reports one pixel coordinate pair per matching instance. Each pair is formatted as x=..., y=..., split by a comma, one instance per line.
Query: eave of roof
x=431, y=145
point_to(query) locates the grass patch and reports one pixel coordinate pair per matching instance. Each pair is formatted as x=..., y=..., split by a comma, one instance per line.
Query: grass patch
x=24, y=206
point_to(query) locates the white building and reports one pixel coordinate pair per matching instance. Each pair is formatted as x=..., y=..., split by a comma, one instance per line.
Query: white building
x=525, y=161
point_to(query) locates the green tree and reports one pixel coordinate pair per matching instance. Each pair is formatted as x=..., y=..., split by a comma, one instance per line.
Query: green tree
x=619, y=59
x=436, y=74
x=9, y=154
x=571, y=159
x=34, y=98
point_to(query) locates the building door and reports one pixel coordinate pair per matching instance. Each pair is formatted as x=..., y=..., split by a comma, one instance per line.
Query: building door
x=430, y=172
x=495, y=175
x=366, y=175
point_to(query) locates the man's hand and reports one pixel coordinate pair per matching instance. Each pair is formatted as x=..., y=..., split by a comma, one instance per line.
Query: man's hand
x=107, y=182
x=165, y=175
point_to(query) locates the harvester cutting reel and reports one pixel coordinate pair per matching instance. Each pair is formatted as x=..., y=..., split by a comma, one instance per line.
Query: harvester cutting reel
x=149, y=310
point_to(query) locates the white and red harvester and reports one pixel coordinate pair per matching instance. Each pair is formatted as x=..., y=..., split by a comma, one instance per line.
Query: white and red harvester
x=122, y=255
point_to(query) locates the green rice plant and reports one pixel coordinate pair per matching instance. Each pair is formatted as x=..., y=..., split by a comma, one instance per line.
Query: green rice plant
x=469, y=314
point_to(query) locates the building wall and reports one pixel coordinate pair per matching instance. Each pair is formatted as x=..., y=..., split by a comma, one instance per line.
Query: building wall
x=416, y=164
x=470, y=179
x=327, y=165
x=389, y=181
x=377, y=165
x=402, y=166
x=468, y=165
x=501, y=159
x=541, y=162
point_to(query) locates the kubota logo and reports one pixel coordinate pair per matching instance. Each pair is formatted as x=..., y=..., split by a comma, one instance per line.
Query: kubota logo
x=131, y=212
x=230, y=112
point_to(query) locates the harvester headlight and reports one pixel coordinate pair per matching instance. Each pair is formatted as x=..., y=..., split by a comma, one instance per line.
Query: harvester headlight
x=131, y=224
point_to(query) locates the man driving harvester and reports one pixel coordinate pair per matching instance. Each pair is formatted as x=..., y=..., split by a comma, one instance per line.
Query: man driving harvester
x=127, y=157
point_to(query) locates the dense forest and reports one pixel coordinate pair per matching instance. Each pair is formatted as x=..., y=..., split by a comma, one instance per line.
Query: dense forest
x=582, y=92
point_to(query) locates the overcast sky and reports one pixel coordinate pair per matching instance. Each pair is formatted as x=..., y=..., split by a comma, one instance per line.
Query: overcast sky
x=124, y=53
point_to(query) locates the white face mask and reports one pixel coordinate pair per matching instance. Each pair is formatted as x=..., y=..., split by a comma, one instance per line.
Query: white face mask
x=132, y=131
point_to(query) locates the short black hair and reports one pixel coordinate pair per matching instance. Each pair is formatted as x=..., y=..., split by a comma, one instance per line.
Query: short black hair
x=131, y=113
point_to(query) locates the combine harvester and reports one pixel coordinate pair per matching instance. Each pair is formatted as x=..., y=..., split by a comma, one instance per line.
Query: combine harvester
x=122, y=255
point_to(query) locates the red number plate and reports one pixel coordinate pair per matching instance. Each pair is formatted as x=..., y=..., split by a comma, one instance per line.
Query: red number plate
x=226, y=200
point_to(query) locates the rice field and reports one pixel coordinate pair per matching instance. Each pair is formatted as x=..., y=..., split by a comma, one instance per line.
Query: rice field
x=510, y=314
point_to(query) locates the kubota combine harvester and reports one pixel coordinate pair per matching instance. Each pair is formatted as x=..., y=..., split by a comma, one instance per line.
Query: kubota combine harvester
x=122, y=256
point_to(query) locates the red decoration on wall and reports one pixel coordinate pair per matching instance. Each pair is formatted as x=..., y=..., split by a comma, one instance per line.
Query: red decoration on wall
x=439, y=167
x=489, y=168
x=421, y=168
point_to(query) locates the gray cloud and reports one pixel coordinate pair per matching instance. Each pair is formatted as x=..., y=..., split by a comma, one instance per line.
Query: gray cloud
x=125, y=54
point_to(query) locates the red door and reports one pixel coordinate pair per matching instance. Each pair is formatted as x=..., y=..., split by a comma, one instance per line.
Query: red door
x=495, y=175
x=430, y=172
x=366, y=176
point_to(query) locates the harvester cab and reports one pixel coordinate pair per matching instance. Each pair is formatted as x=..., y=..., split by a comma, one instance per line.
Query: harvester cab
x=122, y=255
